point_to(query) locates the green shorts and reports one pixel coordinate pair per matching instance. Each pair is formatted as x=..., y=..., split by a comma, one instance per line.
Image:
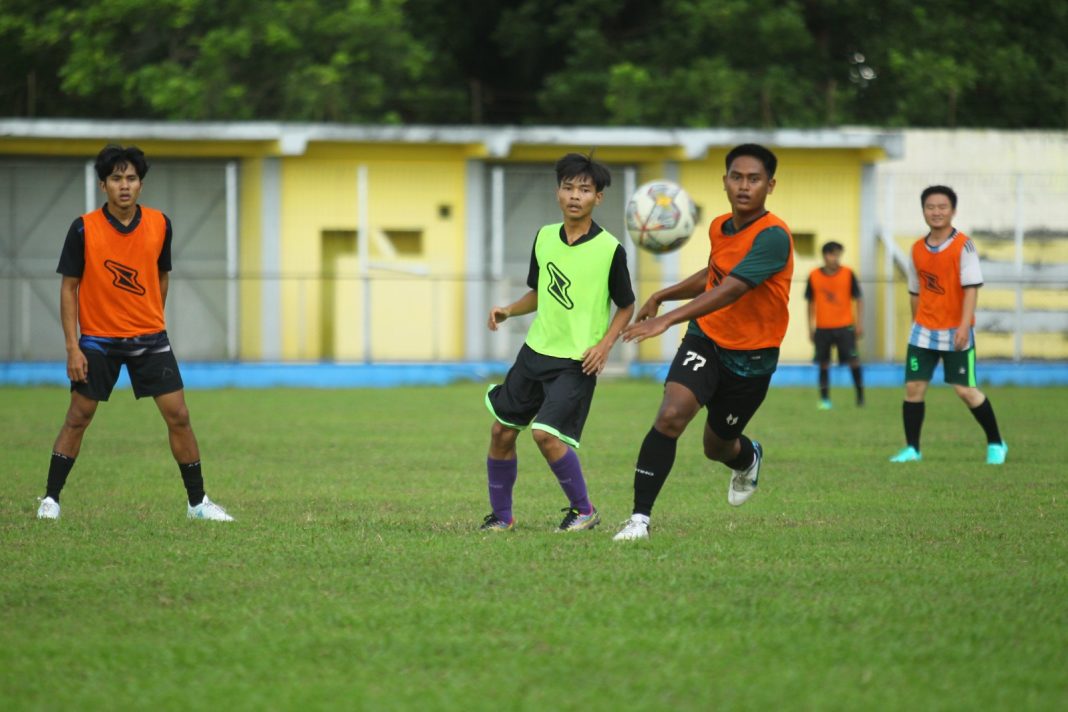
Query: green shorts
x=958, y=367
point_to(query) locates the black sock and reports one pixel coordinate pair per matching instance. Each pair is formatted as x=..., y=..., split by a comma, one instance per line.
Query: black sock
x=913, y=416
x=58, y=469
x=745, y=455
x=984, y=413
x=194, y=482
x=654, y=464
x=858, y=383
x=825, y=382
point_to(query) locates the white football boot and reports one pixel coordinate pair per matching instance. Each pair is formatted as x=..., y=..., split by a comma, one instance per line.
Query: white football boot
x=208, y=510
x=637, y=527
x=49, y=509
x=744, y=482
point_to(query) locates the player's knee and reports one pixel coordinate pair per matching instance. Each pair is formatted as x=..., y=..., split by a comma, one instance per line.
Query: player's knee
x=78, y=418
x=502, y=434
x=671, y=421
x=177, y=417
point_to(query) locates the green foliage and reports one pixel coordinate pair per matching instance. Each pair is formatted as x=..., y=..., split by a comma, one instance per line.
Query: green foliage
x=354, y=577
x=627, y=62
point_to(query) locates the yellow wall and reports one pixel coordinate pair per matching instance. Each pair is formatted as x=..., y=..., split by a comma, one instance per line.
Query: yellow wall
x=407, y=185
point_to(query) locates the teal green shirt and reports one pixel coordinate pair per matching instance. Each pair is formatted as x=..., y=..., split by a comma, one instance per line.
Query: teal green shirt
x=769, y=254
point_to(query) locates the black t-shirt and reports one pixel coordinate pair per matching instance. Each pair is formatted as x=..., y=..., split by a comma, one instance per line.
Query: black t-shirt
x=72, y=258
x=618, y=277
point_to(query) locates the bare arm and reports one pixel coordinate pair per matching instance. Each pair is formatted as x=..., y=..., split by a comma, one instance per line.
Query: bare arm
x=963, y=335
x=723, y=294
x=77, y=365
x=914, y=303
x=164, y=284
x=859, y=319
x=595, y=358
x=524, y=305
x=686, y=289
x=811, y=321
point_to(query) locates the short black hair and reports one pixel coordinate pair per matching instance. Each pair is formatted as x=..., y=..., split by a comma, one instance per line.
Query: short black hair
x=574, y=165
x=938, y=190
x=833, y=246
x=758, y=152
x=115, y=156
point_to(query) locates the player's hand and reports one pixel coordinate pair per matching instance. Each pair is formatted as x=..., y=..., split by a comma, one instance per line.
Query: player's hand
x=496, y=316
x=859, y=330
x=812, y=335
x=962, y=337
x=595, y=359
x=77, y=366
x=641, y=330
x=648, y=310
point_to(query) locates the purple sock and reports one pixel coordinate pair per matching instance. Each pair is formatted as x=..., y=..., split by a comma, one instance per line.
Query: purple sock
x=501, y=475
x=569, y=473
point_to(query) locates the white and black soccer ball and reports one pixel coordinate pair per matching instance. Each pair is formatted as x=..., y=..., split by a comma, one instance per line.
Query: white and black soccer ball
x=660, y=216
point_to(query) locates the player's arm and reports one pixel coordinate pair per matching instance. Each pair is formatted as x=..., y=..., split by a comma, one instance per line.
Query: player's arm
x=858, y=318
x=686, y=289
x=964, y=331
x=77, y=365
x=596, y=357
x=524, y=305
x=730, y=290
x=769, y=255
x=810, y=297
x=164, y=283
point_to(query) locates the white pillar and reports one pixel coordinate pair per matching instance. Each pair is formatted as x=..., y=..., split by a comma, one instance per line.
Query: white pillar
x=889, y=331
x=363, y=250
x=1018, y=240
x=231, y=260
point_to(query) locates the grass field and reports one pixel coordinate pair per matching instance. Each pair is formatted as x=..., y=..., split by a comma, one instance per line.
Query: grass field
x=354, y=577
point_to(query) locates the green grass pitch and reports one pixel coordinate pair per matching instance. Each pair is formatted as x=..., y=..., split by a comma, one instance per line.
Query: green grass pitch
x=355, y=578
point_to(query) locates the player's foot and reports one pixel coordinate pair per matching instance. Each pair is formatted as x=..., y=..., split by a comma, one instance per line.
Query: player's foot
x=208, y=510
x=909, y=454
x=49, y=508
x=744, y=482
x=995, y=455
x=492, y=524
x=637, y=527
x=575, y=521
x=825, y=404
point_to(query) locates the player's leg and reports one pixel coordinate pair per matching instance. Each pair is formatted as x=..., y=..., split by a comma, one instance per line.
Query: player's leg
x=848, y=354
x=690, y=382
x=501, y=473
x=960, y=373
x=85, y=396
x=919, y=367
x=823, y=342
x=557, y=430
x=513, y=405
x=155, y=373
x=734, y=404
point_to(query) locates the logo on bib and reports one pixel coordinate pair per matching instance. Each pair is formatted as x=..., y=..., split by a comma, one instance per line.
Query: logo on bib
x=558, y=286
x=125, y=277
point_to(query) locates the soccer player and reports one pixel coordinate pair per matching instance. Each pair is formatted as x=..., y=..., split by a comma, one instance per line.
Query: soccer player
x=115, y=265
x=830, y=292
x=576, y=269
x=944, y=279
x=737, y=319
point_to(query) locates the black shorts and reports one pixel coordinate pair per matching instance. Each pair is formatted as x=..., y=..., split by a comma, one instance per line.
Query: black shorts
x=545, y=393
x=149, y=360
x=844, y=340
x=731, y=400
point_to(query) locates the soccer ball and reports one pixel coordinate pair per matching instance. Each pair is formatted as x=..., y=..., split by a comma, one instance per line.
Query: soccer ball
x=660, y=216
